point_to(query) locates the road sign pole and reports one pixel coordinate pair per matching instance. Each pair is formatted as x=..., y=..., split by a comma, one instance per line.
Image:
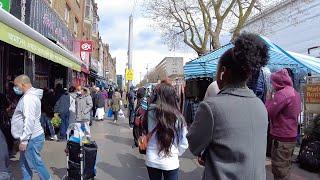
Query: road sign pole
x=130, y=48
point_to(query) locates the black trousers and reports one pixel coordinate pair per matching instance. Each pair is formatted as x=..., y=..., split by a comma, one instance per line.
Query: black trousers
x=131, y=114
x=156, y=174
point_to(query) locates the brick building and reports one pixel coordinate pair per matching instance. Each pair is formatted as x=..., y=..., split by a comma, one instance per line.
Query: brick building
x=81, y=17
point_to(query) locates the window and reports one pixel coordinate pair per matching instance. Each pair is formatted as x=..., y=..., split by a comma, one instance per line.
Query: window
x=67, y=13
x=75, y=26
x=88, y=10
x=95, y=25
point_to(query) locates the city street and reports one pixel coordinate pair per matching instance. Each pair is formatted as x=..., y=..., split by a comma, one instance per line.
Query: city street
x=117, y=160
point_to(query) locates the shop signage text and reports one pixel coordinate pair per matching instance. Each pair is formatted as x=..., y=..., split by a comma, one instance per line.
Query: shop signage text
x=15, y=38
x=313, y=94
x=86, y=46
x=46, y=21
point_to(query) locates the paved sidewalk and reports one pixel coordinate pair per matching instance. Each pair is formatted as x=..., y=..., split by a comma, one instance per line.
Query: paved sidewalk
x=117, y=160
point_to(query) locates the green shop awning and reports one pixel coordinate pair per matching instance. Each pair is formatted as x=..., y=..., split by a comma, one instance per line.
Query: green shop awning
x=16, y=33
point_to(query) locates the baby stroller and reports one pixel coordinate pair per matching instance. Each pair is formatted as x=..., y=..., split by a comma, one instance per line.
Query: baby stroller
x=81, y=153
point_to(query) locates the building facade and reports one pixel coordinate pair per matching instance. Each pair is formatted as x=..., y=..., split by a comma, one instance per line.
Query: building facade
x=37, y=42
x=82, y=18
x=292, y=24
x=169, y=67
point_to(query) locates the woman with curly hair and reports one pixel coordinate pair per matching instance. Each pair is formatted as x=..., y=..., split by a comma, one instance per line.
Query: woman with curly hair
x=229, y=134
x=167, y=131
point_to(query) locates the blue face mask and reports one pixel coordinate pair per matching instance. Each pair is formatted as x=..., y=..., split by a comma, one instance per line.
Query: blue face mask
x=17, y=90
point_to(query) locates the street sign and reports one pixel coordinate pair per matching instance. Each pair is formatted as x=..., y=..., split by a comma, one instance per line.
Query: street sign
x=5, y=4
x=86, y=46
x=129, y=74
x=313, y=94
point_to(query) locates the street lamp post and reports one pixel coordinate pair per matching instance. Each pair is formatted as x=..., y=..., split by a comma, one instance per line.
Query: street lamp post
x=147, y=73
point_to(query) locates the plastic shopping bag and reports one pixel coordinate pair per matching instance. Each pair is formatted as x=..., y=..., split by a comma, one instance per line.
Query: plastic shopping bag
x=110, y=113
x=121, y=114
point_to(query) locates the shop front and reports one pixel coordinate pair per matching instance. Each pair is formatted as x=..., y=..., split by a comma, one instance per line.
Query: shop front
x=24, y=51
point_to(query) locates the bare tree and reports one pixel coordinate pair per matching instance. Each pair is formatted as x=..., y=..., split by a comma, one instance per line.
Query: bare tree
x=199, y=23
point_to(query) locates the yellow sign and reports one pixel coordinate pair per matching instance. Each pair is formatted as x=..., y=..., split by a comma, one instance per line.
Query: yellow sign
x=129, y=74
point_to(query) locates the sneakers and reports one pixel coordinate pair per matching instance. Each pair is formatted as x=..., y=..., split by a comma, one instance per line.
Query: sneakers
x=115, y=121
x=54, y=138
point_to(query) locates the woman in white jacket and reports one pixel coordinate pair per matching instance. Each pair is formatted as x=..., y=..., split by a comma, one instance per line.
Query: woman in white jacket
x=168, y=130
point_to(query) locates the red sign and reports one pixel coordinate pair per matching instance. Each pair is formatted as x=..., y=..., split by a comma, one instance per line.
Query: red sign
x=86, y=46
x=83, y=55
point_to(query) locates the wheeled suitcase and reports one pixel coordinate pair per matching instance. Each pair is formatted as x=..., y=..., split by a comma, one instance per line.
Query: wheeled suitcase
x=81, y=156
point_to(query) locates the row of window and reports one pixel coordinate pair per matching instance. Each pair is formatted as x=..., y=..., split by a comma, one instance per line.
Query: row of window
x=88, y=15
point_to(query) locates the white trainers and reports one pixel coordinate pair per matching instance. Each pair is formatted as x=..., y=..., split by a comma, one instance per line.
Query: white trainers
x=114, y=121
x=54, y=138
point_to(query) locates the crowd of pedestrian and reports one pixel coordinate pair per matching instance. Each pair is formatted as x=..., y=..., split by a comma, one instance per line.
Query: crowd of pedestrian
x=228, y=135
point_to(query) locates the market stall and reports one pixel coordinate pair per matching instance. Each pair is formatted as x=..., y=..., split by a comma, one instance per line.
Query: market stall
x=203, y=70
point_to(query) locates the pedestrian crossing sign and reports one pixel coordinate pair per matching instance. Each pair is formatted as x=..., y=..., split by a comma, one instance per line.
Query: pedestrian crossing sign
x=129, y=74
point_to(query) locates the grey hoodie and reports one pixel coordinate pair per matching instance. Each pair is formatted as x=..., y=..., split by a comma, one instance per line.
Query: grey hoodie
x=25, y=122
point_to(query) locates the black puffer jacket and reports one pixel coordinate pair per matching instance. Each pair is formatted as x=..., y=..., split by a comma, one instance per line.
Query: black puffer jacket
x=99, y=100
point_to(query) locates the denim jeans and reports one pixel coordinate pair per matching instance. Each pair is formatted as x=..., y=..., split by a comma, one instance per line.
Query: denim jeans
x=156, y=174
x=5, y=176
x=64, y=125
x=30, y=160
x=46, y=123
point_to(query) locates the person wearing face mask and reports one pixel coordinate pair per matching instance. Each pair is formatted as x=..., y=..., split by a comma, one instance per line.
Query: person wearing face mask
x=26, y=127
x=230, y=129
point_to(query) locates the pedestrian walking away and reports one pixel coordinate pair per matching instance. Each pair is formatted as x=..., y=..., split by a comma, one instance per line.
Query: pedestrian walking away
x=229, y=134
x=99, y=102
x=284, y=108
x=47, y=114
x=115, y=104
x=27, y=128
x=131, y=100
x=62, y=107
x=166, y=133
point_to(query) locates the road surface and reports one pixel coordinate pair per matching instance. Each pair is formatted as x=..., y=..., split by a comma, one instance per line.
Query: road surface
x=117, y=160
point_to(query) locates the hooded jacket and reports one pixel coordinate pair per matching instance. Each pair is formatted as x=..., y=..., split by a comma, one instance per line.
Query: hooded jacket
x=284, y=108
x=25, y=123
x=80, y=107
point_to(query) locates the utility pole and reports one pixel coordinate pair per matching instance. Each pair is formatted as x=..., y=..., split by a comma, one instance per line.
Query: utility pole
x=130, y=48
x=147, y=73
x=140, y=77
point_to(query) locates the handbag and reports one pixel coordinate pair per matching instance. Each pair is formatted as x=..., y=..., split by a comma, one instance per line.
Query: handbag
x=144, y=140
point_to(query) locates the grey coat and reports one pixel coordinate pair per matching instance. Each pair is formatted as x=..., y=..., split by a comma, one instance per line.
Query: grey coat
x=231, y=130
x=80, y=107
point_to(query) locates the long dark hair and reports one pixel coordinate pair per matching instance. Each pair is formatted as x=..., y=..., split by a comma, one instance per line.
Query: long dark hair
x=169, y=119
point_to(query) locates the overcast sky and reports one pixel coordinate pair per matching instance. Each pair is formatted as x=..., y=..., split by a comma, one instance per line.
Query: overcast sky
x=148, y=48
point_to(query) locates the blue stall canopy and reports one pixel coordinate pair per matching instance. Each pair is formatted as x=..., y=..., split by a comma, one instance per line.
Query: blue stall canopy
x=206, y=66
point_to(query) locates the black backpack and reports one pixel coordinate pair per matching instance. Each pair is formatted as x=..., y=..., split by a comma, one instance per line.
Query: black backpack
x=309, y=156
